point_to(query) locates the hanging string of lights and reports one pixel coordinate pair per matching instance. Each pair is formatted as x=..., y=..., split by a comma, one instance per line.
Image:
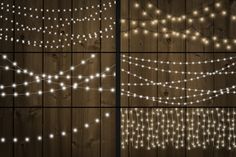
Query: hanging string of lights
x=162, y=84
x=210, y=12
x=67, y=19
x=31, y=9
x=67, y=41
x=160, y=127
x=165, y=101
x=207, y=74
x=51, y=136
x=211, y=61
x=193, y=35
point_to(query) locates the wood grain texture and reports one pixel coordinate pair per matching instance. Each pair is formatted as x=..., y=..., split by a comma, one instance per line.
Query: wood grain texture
x=99, y=140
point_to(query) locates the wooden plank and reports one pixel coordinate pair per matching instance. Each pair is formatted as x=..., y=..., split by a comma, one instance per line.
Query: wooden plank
x=108, y=100
x=31, y=22
x=164, y=44
x=6, y=78
x=108, y=44
x=86, y=141
x=28, y=123
x=6, y=123
x=177, y=8
x=202, y=83
x=141, y=90
x=86, y=27
x=169, y=92
x=141, y=42
x=198, y=46
x=32, y=62
x=55, y=121
x=6, y=46
x=58, y=62
x=90, y=144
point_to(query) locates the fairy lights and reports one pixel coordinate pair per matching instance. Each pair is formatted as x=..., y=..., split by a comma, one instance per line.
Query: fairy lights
x=63, y=86
x=180, y=63
x=52, y=136
x=31, y=9
x=163, y=127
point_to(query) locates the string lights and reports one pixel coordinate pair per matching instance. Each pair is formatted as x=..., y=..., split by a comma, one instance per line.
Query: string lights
x=61, y=43
x=24, y=8
x=231, y=58
x=163, y=127
x=48, y=78
x=51, y=136
x=73, y=20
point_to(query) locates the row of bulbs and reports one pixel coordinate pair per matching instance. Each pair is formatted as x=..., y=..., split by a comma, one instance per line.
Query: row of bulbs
x=192, y=35
x=73, y=20
x=52, y=136
x=200, y=74
x=148, y=60
x=209, y=11
x=63, y=42
x=24, y=8
x=153, y=128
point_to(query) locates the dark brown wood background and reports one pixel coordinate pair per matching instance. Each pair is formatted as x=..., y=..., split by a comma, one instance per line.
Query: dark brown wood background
x=35, y=118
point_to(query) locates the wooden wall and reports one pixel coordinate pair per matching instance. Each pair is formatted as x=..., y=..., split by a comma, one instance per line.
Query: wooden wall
x=51, y=113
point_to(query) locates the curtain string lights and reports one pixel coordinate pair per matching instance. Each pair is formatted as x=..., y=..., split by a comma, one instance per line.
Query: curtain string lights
x=159, y=128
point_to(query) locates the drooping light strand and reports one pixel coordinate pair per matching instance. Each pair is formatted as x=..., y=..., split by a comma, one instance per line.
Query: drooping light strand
x=80, y=9
x=52, y=136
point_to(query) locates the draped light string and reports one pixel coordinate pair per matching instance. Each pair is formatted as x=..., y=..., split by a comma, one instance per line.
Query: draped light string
x=167, y=102
x=61, y=73
x=31, y=9
x=68, y=19
x=94, y=35
x=193, y=35
x=195, y=16
x=48, y=29
x=203, y=129
x=174, y=98
x=203, y=75
x=210, y=61
x=51, y=136
x=165, y=85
